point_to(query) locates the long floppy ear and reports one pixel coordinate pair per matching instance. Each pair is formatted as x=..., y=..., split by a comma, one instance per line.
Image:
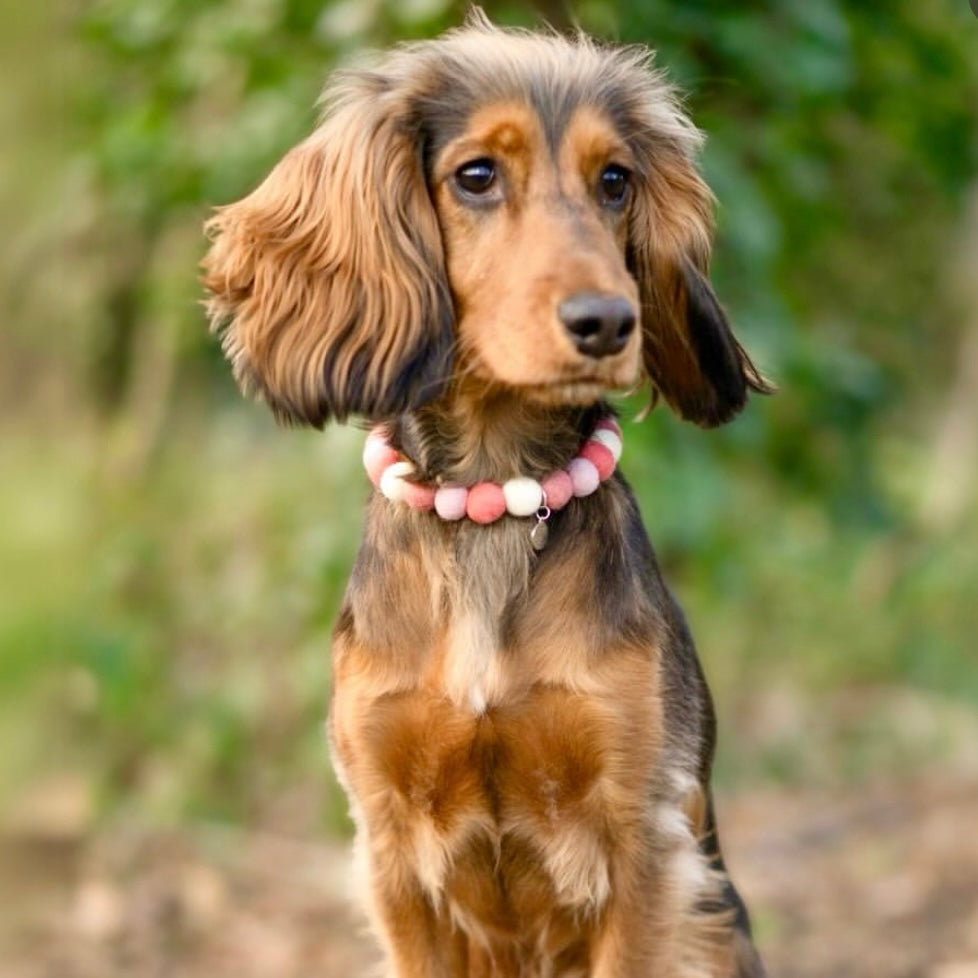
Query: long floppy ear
x=327, y=283
x=691, y=354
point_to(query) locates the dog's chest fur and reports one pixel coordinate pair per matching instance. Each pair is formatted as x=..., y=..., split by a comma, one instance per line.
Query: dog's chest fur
x=492, y=753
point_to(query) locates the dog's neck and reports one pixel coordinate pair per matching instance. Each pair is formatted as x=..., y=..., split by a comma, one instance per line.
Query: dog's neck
x=468, y=437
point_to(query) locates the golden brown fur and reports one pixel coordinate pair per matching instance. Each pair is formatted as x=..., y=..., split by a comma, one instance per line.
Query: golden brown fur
x=526, y=738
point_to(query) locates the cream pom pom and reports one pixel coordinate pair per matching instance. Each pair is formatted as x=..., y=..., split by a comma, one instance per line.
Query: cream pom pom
x=392, y=480
x=524, y=496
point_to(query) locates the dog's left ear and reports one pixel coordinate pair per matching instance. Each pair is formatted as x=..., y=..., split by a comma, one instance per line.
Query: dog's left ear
x=691, y=354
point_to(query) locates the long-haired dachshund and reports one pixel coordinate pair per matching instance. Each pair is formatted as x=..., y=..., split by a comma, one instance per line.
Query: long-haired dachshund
x=486, y=234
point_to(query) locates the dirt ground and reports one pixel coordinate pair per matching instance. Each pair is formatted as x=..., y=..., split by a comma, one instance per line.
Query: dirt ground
x=879, y=884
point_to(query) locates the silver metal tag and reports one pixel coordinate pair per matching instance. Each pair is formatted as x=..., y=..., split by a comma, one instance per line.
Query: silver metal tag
x=540, y=533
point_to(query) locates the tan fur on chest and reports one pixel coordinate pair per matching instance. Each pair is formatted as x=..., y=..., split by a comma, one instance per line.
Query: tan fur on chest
x=512, y=818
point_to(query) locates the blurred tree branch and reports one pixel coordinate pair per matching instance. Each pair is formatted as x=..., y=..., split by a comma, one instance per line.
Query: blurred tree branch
x=953, y=470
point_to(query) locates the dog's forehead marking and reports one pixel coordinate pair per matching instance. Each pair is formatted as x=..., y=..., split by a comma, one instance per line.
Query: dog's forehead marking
x=515, y=129
x=509, y=137
x=508, y=127
x=590, y=141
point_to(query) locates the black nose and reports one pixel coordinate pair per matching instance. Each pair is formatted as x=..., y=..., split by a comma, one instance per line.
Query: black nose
x=598, y=324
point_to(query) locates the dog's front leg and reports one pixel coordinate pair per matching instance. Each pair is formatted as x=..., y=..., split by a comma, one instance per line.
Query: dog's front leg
x=414, y=805
x=652, y=926
x=420, y=942
x=620, y=947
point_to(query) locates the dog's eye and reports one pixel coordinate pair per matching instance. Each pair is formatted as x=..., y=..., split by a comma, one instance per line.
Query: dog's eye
x=477, y=177
x=613, y=185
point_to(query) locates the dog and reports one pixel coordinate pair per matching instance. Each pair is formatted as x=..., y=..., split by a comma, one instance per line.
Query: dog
x=487, y=234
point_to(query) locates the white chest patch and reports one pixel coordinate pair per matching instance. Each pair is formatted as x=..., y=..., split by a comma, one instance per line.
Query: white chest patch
x=490, y=570
x=472, y=674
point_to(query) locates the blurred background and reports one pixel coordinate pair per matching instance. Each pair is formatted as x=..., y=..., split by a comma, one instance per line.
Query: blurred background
x=170, y=561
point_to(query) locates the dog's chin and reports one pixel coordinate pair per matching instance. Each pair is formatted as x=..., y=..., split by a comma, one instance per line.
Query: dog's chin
x=572, y=393
x=579, y=390
x=560, y=384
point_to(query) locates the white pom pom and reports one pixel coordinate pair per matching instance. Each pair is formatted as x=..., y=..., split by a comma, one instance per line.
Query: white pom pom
x=610, y=441
x=523, y=496
x=392, y=481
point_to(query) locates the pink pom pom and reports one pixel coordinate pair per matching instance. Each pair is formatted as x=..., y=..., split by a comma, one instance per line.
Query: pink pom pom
x=609, y=424
x=584, y=476
x=559, y=489
x=377, y=455
x=418, y=496
x=600, y=457
x=450, y=502
x=486, y=502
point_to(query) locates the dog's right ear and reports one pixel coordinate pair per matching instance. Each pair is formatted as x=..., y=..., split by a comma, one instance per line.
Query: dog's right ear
x=328, y=283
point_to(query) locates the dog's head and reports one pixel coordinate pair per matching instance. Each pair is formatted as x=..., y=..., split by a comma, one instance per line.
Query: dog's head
x=520, y=208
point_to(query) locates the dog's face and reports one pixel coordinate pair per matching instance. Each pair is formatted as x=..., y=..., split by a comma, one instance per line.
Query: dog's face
x=520, y=209
x=535, y=233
